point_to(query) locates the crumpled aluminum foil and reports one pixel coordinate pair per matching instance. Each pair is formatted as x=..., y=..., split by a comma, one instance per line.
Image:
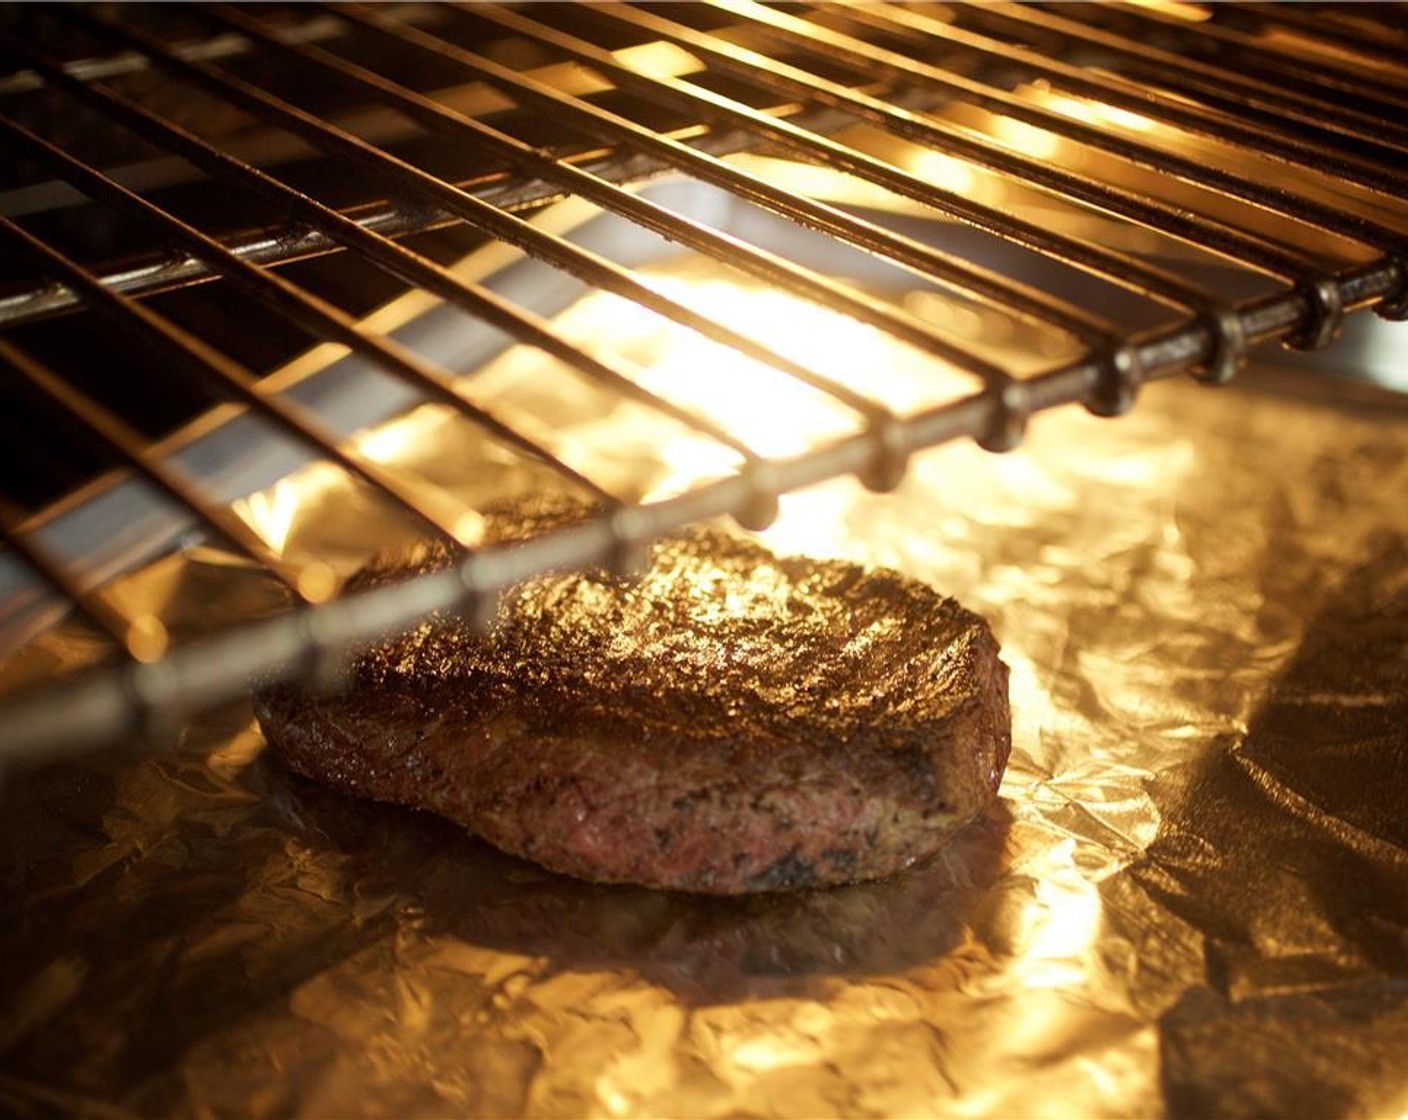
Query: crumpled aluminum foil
x=1191, y=900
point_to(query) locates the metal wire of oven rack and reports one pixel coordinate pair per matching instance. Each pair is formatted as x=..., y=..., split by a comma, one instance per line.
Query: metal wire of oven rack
x=1314, y=116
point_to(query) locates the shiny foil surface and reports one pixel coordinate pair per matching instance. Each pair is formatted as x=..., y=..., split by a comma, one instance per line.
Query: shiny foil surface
x=1191, y=900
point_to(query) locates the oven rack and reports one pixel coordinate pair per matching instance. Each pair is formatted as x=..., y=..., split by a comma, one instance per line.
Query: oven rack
x=1327, y=118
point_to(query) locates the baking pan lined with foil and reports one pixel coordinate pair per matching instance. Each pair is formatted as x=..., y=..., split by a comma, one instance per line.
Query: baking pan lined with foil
x=1188, y=900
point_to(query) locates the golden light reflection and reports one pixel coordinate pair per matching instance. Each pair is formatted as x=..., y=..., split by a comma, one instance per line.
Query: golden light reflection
x=317, y=582
x=940, y=170
x=147, y=638
x=469, y=528
x=1026, y=138
x=826, y=183
x=639, y=453
x=1310, y=47
x=277, y=513
x=1098, y=113
x=1060, y=923
x=1193, y=13
x=772, y=412
x=771, y=1051
x=272, y=513
x=807, y=520
x=388, y=442
x=658, y=60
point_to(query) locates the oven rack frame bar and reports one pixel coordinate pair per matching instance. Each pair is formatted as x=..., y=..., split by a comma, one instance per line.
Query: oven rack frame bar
x=393, y=217
x=155, y=686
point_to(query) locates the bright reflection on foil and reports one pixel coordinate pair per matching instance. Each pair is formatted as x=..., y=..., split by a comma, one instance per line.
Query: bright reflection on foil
x=388, y=442
x=271, y=513
x=1059, y=925
x=768, y=1052
x=772, y=412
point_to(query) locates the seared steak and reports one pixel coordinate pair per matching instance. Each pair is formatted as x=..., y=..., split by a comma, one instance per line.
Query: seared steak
x=734, y=721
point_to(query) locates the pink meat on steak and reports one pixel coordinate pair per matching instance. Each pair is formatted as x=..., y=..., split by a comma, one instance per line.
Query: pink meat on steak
x=731, y=722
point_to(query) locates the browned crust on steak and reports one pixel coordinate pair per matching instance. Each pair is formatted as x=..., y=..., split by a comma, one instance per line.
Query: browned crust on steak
x=733, y=722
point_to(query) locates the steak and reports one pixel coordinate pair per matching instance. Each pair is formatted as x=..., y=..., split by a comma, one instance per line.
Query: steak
x=731, y=722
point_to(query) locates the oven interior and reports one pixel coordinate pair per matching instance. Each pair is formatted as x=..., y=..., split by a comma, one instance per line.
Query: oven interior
x=284, y=284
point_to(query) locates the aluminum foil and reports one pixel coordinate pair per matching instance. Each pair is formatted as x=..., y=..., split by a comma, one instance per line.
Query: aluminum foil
x=1192, y=898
